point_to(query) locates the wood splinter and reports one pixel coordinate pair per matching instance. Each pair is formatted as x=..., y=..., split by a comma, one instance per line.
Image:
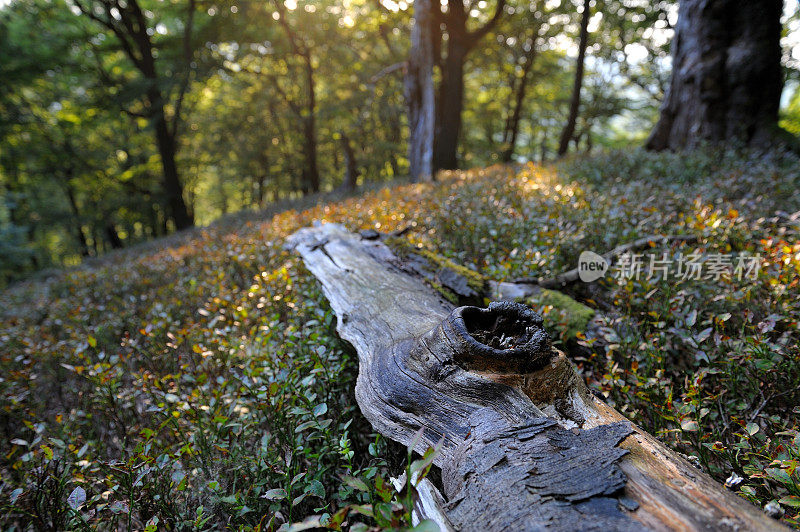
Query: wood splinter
x=524, y=446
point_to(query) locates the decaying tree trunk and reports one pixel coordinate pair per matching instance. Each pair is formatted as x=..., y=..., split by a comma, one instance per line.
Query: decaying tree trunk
x=726, y=75
x=524, y=446
x=419, y=93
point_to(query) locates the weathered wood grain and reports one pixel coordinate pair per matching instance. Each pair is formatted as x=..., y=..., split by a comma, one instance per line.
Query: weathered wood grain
x=524, y=445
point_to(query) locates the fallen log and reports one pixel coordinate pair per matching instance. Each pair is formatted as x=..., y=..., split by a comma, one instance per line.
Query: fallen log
x=523, y=444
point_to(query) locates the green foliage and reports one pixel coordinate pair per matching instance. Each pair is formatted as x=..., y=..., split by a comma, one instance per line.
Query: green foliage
x=247, y=90
x=196, y=387
x=199, y=382
x=790, y=120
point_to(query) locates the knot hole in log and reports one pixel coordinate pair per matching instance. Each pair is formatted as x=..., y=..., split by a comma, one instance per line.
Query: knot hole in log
x=506, y=343
x=503, y=338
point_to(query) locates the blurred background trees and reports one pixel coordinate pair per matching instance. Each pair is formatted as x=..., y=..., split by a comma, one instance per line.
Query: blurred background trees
x=123, y=120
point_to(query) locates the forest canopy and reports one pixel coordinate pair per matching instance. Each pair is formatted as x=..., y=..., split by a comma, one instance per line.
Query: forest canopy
x=123, y=121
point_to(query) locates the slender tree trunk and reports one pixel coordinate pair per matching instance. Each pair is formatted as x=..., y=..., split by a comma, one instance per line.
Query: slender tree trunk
x=419, y=93
x=350, y=181
x=113, y=237
x=512, y=122
x=311, y=181
x=165, y=142
x=451, y=102
x=543, y=146
x=165, y=139
x=575, y=101
x=311, y=172
x=394, y=138
x=73, y=204
x=726, y=75
x=261, y=177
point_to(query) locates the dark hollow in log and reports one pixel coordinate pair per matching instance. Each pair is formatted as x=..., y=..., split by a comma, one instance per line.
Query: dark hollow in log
x=523, y=444
x=506, y=338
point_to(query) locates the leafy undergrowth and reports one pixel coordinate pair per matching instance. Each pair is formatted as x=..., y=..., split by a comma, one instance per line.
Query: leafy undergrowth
x=199, y=384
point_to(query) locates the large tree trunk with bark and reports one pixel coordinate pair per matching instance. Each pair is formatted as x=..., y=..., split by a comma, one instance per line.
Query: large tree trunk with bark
x=575, y=101
x=726, y=75
x=419, y=93
x=523, y=444
x=450, y=101
x=449, y=105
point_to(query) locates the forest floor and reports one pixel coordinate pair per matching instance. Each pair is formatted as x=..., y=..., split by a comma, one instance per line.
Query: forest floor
x=198, y=381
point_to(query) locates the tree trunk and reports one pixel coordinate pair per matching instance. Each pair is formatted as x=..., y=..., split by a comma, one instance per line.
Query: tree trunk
x=450, y=104
x=173, y=188
x=575, y=100
x=726, y=75
x=522, y=444
x=450, y=101
x=133, y=20
x=73, y=204
x=543, y=146
x=311, y=180
x=350, y=181
x=419, y=93
x=512, y=122
x=113, y=237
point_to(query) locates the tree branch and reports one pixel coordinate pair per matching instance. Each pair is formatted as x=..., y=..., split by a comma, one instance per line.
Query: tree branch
x=571, y=276
x=474, y=36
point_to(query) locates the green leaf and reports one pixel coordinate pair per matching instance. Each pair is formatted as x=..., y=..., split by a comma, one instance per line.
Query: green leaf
x=752, y=428
x=689, y=425
x=91, y=341
x=316, y=489
x=356, y=483
x=76, y=498
x=152, y=524
x=426, y=526
x=336, y=520
x=275, y=494
x=363, y=509
x=791, y=500
x=320, y=409
x=780, y=475
x=303, y=426
x=384, y=489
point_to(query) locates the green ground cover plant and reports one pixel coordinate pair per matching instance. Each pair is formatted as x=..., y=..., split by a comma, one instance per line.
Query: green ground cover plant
x=198, y=383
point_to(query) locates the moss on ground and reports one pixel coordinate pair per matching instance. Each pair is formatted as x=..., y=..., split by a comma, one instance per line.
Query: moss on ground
x=561, y=313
